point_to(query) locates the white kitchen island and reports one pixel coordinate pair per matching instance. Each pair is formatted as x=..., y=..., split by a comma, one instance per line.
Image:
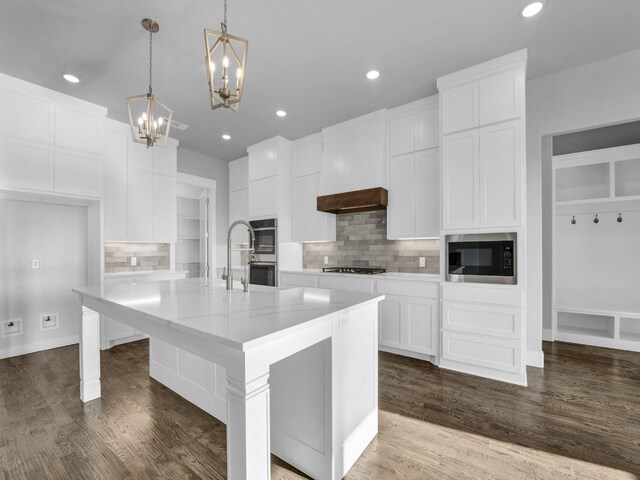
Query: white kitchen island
x=316, y=349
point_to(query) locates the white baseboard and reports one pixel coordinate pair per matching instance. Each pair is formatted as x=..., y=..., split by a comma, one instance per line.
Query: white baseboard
x=535, y=359
x=14, y=351
x=547, y=335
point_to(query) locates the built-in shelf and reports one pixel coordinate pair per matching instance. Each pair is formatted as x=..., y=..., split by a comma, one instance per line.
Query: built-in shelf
x=185, y=237
x=586, y=324
x=187, y=217
x=188, y=245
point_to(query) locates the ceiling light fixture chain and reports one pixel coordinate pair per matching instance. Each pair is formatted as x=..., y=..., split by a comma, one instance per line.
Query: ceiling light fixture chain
x=225, y=13
x=153, y=117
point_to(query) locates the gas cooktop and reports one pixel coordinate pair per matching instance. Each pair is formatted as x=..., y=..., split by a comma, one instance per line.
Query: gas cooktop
x=358, y=270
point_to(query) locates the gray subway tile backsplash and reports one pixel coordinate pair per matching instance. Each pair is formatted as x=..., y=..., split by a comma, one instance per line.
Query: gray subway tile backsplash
x=361, y=240
x=150, y=256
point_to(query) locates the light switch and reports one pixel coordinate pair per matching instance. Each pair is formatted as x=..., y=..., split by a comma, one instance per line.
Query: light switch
x=35, y=263
x=423, y=262
x=134, y=261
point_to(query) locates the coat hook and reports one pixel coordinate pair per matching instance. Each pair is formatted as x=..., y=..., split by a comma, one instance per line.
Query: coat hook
x=573, y=220
x=619, y=219
x=596, y=220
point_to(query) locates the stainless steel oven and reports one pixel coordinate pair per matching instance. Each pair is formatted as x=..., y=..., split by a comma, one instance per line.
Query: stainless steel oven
x=482, y=258
x=263, y=268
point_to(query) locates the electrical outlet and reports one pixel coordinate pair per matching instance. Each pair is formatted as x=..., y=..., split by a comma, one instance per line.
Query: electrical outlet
x=134, y=261
x=35, y=263
x=326, y=260
x=11, y=328
x=423, y=262
x=49, y=321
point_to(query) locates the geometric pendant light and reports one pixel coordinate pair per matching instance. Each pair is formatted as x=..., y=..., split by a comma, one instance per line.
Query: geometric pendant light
x=149, y=118
x=225, y=55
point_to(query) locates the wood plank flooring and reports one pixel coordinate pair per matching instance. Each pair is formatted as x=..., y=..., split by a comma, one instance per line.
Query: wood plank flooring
x=578, y=419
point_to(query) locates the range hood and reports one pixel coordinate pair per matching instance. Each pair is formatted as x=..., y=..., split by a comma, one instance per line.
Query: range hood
x=356, y=201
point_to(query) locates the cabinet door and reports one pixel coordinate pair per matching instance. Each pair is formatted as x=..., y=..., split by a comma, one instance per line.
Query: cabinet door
x=116, y=146
x=238, y=210
x=165, y=160
x=164, y=227
x=25, y=164
x=460, y=180
x=427, y=128
x=500, y=175
x=314, y=157
x=459, y=108
x=263, y=163
x=320, y=226
x=401, y=135
x=263, y=198
x=115, y=204
x=140, y=157
x=239, y=174
x=299, y=157
x=140, y=206
x=426, y=178
x=390, y=322
x=501, y=97
x=78, y=174
x=299, y=210
x=401, y=197
x=27, y=117
x=78, y=131
x=422, y=325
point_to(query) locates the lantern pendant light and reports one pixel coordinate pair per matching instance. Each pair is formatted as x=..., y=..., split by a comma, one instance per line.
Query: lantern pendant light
x=225, y=53
x=149, y=118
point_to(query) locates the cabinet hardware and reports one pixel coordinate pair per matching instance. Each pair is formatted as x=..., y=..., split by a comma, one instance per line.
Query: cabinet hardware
x=596, y=220
x=619, y=219
x=573, y=220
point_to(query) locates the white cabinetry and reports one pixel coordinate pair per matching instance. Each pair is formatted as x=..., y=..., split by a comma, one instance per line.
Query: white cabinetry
x=49, y=141
x=353, y=156
x=414, y=171
x=139, y=188
x=483, y=145
x=307, y=224
x=482, y=331
x=238, y=197
x=270, y=183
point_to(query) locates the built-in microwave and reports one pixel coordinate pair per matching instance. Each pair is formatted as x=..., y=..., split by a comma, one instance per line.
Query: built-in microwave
x=482, y=258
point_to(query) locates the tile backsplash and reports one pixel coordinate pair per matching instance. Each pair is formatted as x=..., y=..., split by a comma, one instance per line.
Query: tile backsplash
x=361, y=241
x=150, y=256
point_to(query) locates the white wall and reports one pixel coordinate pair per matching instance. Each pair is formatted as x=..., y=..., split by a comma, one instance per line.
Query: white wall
x=597, y=94
x=195, y=163
x=56, y=235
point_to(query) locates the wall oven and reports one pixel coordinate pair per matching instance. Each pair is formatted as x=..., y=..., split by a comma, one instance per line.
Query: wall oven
x=263, y=269
x=482, y=258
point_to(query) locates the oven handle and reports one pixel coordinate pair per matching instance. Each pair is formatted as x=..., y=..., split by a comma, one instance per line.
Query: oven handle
x=263, y=229
x=263, y=264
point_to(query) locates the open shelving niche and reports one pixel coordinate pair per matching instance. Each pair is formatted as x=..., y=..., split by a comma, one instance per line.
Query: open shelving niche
x=596, y=300
x=188, y=247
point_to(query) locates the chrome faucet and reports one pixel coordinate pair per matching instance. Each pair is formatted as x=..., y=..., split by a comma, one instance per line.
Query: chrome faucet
x=252, y=238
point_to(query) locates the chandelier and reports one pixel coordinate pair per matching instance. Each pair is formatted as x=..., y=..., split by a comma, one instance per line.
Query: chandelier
x=225, y=53
x=152, y=119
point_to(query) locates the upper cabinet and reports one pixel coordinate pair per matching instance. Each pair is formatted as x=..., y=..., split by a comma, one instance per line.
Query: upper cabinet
x=308, y=225
x=353, y=156
x=482, y=116
x=269, y=173
x=49, y=142
x=414, y=171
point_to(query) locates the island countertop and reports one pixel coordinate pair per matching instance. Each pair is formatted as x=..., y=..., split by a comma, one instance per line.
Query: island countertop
x=233, y=318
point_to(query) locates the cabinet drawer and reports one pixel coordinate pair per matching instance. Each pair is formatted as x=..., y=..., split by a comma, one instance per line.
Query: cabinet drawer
x=492, y=353
x=346, y=284
x=298, y=280
x=487, y=294
x=408, y=288
x=491, y=320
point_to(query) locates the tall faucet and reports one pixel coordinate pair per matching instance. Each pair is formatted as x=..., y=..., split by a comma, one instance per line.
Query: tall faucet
x=252, y=238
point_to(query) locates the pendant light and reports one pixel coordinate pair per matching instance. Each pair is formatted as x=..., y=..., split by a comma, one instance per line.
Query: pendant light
x=225, y=53
x=149, y=118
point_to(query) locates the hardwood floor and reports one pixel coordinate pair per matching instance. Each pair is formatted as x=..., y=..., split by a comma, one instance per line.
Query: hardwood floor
x=578, y=419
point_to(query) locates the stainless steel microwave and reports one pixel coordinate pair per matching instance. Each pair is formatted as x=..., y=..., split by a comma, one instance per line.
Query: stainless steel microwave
x=482, y=258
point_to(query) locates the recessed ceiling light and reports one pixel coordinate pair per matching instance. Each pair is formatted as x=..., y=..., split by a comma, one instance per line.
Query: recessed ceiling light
x=373, y=74
x=281, y=113
x=226, y=137
x=70, y=78
x=532, y=9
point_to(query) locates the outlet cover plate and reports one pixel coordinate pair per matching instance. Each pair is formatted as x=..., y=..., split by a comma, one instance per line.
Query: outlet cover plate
x=49, y=321
x=423, y=262
x=11, y=327
x=134, y=261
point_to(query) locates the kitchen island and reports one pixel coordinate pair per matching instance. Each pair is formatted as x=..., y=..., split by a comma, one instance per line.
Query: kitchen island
x=313, y=350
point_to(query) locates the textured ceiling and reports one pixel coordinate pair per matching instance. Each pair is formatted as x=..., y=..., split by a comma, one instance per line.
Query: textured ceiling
x=306, y=57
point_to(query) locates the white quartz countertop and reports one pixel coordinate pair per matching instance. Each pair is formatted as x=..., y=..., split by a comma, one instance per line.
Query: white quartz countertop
x=143, y=273
x=236, y=319
x=424, y=277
